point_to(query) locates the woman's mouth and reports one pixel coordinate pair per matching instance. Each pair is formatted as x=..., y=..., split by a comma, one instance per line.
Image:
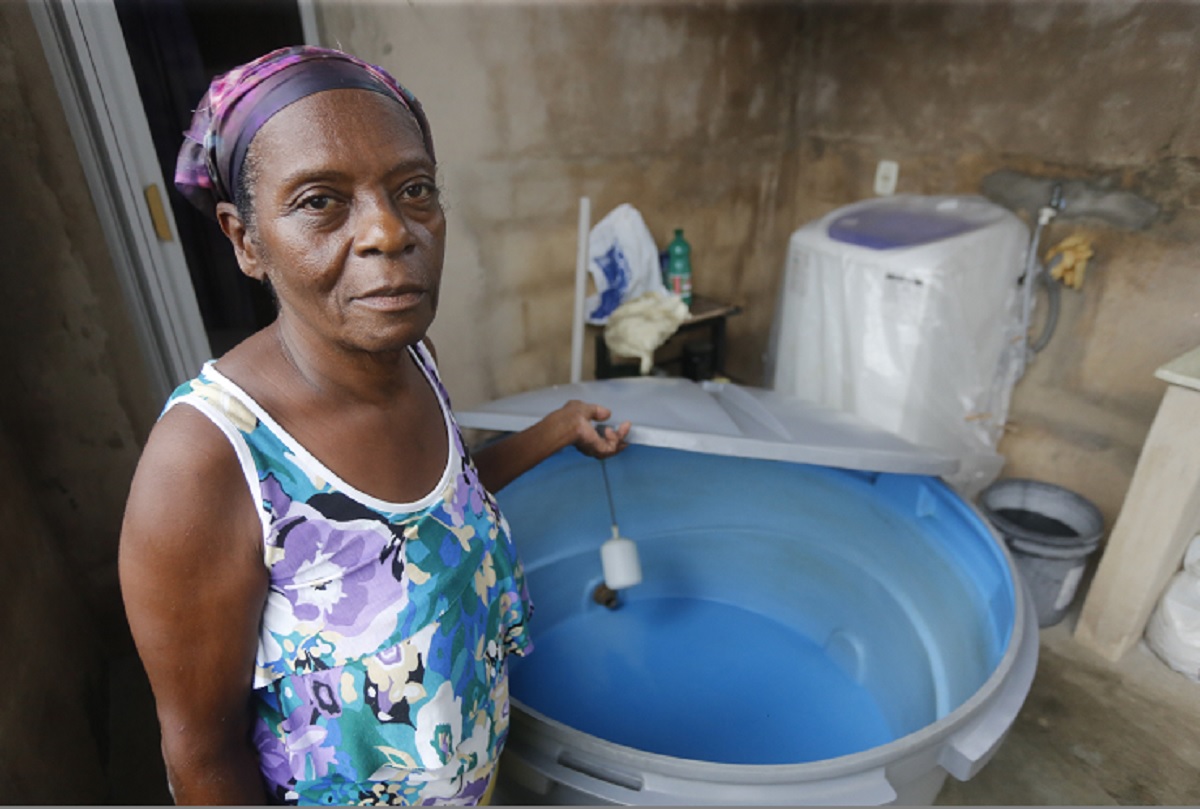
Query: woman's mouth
x=392, y=300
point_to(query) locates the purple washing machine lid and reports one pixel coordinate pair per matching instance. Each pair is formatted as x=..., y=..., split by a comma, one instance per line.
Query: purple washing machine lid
x=886, y=228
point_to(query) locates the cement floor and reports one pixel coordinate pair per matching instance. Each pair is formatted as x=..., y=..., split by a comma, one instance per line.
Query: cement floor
x=1090, y=733
x=1095, y=733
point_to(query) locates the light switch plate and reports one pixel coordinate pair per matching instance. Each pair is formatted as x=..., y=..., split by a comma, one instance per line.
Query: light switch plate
x=886, y=174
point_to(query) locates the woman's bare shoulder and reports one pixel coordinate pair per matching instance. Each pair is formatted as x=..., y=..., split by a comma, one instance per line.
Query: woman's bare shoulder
x=186, y=441
x=189, y=484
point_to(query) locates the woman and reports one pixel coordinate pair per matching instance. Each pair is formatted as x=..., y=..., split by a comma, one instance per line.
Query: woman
x=318, y=581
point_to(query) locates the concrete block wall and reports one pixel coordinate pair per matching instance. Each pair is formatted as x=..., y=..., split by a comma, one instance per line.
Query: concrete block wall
x=740, y=122
x=736, y=121
x=1103, y=91
x=682, y=111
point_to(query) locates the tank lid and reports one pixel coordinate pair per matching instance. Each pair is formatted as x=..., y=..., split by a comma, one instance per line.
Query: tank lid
x=723, y=419
x=910, y=221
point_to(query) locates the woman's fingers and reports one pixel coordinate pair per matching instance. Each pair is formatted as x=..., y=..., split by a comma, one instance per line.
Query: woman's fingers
x=597, y=440
x=604, y=440
x=622, y=433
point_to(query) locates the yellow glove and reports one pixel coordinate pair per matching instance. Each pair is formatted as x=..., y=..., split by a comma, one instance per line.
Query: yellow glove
x=1073, y=253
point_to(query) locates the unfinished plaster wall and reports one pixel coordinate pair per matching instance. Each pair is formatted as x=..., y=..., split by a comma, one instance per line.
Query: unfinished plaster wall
x=52, y=704
x=1102, y=91
x=75, y=400
x=684, y=112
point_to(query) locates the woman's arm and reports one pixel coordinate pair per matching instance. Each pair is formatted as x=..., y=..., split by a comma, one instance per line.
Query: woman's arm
x=570, y=425
x=194, y=584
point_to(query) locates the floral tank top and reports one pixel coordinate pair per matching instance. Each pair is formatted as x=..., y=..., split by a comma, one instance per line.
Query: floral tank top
x=380, y=675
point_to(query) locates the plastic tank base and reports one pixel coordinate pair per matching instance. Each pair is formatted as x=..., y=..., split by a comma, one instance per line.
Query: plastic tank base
x=802, y=635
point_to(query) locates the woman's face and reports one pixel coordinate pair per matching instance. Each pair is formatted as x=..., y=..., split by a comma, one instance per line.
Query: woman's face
x=347, y=222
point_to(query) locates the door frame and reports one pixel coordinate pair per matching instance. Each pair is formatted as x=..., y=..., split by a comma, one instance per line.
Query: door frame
x=87, y=57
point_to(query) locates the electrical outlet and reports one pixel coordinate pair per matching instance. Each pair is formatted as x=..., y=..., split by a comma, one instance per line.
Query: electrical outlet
x=886, y=174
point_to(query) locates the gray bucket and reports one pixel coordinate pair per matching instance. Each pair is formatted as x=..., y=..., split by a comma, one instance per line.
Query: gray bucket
x=1051, y=532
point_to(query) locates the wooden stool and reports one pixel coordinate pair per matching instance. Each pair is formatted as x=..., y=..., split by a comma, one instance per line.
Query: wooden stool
x=1160, y=515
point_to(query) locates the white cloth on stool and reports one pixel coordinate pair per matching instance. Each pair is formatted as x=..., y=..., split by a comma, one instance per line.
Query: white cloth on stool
x=638, y=327
x=1173, y=631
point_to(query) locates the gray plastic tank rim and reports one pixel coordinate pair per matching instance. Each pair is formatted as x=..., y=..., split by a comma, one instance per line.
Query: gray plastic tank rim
x=882, y=756
x=926, y=737
x=959, y=743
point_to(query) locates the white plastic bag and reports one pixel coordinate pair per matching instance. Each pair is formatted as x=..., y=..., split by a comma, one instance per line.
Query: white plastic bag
x=1173, y=632
x=623, y=261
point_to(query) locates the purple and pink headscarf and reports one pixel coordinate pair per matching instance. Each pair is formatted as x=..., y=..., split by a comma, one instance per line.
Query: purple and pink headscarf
x=239, y=102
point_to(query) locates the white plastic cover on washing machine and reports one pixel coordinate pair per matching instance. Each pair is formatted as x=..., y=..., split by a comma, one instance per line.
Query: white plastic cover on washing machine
x=723, y=419
x=905, y=311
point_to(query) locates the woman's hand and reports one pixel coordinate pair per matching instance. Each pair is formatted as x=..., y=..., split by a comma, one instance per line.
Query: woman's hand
x=598, y=441
x=572, y=425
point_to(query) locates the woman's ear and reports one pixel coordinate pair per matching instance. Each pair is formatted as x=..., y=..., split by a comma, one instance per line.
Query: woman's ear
x=239, y=236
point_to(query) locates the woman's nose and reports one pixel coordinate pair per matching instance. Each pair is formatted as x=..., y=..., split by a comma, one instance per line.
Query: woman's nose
x=381, y=229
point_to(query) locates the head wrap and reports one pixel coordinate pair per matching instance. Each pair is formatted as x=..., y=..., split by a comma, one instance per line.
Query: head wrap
x=240, y=102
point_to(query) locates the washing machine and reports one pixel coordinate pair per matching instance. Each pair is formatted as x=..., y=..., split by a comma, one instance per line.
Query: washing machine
x=906, y=312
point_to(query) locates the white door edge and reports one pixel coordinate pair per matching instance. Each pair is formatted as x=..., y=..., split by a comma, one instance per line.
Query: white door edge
x=308, y=21
x=86, y=53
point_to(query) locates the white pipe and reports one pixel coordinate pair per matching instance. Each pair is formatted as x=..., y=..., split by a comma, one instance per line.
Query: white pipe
x=581, y=262
x=1032, y=270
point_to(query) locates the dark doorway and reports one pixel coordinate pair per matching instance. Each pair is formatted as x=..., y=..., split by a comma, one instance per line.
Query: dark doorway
x=176, y=47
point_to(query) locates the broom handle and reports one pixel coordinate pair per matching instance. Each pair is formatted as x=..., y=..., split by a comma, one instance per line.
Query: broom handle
x=581, y=262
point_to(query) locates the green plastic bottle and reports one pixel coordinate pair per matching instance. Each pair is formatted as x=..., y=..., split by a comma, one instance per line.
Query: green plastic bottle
x=678, y=275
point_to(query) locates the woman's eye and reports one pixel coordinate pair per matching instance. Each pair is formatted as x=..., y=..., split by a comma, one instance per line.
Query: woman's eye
x=418, y=192
x=316, y=202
